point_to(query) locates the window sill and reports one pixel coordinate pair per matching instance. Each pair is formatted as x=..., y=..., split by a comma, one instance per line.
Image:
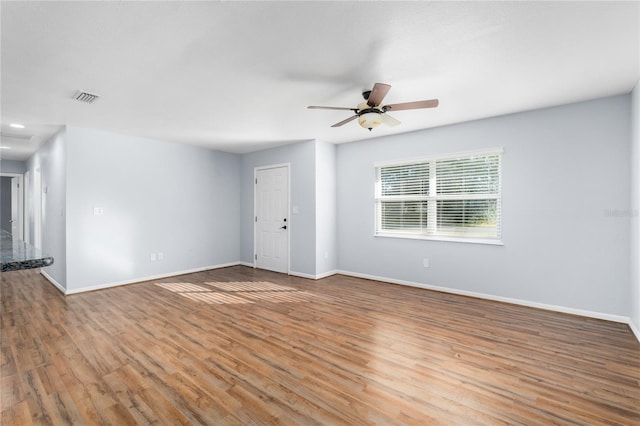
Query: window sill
x=486, y=241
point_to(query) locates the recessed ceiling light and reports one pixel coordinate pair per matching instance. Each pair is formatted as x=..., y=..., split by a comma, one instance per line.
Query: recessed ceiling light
x=16, y=126
x=5, y=147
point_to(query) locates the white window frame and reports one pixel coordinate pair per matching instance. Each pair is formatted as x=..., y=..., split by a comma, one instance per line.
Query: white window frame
x=432, y=199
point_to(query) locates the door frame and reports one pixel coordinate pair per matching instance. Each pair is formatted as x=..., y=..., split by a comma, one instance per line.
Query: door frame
x=21, y=196
x=38, y=204
x=255, y=211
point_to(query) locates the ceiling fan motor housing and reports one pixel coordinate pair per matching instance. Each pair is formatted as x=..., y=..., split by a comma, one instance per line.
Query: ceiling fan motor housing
x=369, y=111
x=369, y=118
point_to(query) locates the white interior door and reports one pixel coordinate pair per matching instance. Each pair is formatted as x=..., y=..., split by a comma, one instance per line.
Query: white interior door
x=272, y=219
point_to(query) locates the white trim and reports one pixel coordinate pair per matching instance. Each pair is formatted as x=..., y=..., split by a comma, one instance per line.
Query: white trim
x=272, y=166
x=555, y=308
x=53, y=281
x=27, y=206
x=302, y=275
x=479, y=152
x=326, y=274
x=469, y=240
x=314, y=277
x=248, y=264
x=142, y=279
x=37, y=207
x=634, y=329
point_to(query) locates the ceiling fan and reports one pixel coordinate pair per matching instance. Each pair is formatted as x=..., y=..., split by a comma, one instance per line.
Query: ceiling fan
x=371, y=113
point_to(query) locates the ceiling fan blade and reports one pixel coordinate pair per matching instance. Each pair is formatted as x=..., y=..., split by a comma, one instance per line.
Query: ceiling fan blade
x=329, y=107
x=389, y=120
x=378, y=93
x=432, y=103
x=345, y=121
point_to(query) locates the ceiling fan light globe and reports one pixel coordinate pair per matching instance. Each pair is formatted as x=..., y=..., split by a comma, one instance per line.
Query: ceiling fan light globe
x=370, y=120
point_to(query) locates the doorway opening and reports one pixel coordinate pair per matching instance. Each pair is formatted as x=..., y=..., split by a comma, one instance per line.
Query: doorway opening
x=12, y=204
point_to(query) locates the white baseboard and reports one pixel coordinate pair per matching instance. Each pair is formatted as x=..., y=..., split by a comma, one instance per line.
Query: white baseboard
x=556, y=308
x=326, y=274
x=53, y=281
x=148, y=278
x=635, y=329
x=297, y=274
x=302, y=275
x=311, y=276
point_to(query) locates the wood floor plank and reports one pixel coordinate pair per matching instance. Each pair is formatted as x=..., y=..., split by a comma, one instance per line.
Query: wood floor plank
x=239, y=346
x=7, y=363
x=129, y=396
x=16, y=414
x=11, y=391
x=65, y=411
x=35, y=395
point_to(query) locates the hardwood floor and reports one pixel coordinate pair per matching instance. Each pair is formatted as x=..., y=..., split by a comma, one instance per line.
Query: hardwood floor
x=240, y=346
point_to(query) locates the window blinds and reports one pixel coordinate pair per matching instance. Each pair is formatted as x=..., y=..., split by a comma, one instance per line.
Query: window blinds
x=451, y=196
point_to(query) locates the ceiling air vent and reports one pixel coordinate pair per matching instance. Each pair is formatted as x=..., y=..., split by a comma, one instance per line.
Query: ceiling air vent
x=85, y=97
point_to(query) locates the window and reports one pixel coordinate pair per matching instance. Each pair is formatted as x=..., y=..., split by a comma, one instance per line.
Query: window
x=454, y=197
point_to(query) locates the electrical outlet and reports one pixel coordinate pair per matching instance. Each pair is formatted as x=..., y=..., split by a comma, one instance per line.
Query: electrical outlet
x=425, y=262
x=98, y=211
x=160, y=255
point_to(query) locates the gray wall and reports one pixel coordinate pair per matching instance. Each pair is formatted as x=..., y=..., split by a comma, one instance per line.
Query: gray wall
x=12, y=166
x=51, y=161
x=156, y=197
x=302, y=237
x=635, y=209
x=565, y=174
x=5, y=203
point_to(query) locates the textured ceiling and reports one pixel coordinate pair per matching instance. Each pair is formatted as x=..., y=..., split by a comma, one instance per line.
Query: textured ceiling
x=238, y=76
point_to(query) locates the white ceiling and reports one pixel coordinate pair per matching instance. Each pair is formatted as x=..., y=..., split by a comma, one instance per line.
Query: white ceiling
x=238, y=76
